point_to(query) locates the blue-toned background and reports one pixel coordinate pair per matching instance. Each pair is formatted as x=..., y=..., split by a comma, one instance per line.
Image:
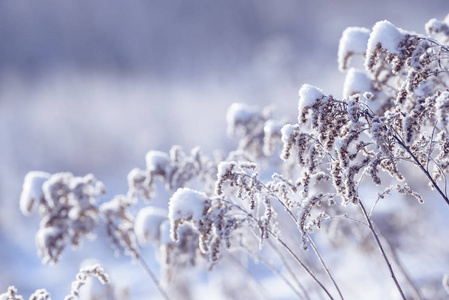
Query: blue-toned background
x=91, y=86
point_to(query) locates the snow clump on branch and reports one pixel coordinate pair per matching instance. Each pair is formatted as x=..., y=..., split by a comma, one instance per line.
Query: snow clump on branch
x=353, y=41
x=68, y=206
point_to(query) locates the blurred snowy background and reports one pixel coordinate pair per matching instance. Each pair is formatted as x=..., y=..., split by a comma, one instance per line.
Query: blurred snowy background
x=91, y=86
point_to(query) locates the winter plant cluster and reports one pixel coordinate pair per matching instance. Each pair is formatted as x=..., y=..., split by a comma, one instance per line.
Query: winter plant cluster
x=315, y=184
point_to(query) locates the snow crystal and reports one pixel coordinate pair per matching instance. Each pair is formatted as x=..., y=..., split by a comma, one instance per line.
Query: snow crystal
x=148, y=222
x=388, y=35
x=157, y=160
x=356, y=82
x=32, y=190
x=187, y=204
x=354, y=40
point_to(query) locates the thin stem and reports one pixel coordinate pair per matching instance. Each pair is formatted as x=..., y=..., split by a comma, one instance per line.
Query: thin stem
x=422, y=169
x=315, y=249
x=275, y=270
x=430, y=147
x=402, y=268
x=135, y=252
x=379, y=244
x=289, y=269
x=346, y=217
x=301, y=263
x=261, y=289
x=152, y=276
x=373, y=207
x=313, y=246
x=250, y=217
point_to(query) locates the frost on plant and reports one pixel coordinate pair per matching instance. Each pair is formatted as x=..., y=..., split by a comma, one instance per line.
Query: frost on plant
x=40, y=294
x=148, y=224
x=11, y=294
x=353, y=42
x=81, y=278
x=120, y=225
x=288, y=186
x=68, y=208
x=32, y=192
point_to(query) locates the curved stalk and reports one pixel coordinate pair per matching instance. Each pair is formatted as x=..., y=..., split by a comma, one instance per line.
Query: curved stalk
x=302, y=264
x=152, y=276
x=401, y=267
x=417, y=162
x=275, y=271
x=289, y=269
x=261, y=289
x=381, y=248
x=251, y=217
x=315, y=249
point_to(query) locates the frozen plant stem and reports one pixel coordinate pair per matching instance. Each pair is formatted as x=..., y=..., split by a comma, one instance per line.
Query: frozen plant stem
x=401, y=267
x=302, y=264
x=376, y=237
x=251, y=217
x=152, y=276
x=260, y=288
x=275, y=271
x=287, y=267
x=315, y=249
x=443, y=195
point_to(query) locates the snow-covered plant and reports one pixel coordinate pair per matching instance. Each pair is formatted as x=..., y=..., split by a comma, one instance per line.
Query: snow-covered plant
x=68, y=208
x=256, y=129
x=270, y=198
x=83, y=275
x=81, y=278
x=175, y=169
x=11, y=294
x=40, y=294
